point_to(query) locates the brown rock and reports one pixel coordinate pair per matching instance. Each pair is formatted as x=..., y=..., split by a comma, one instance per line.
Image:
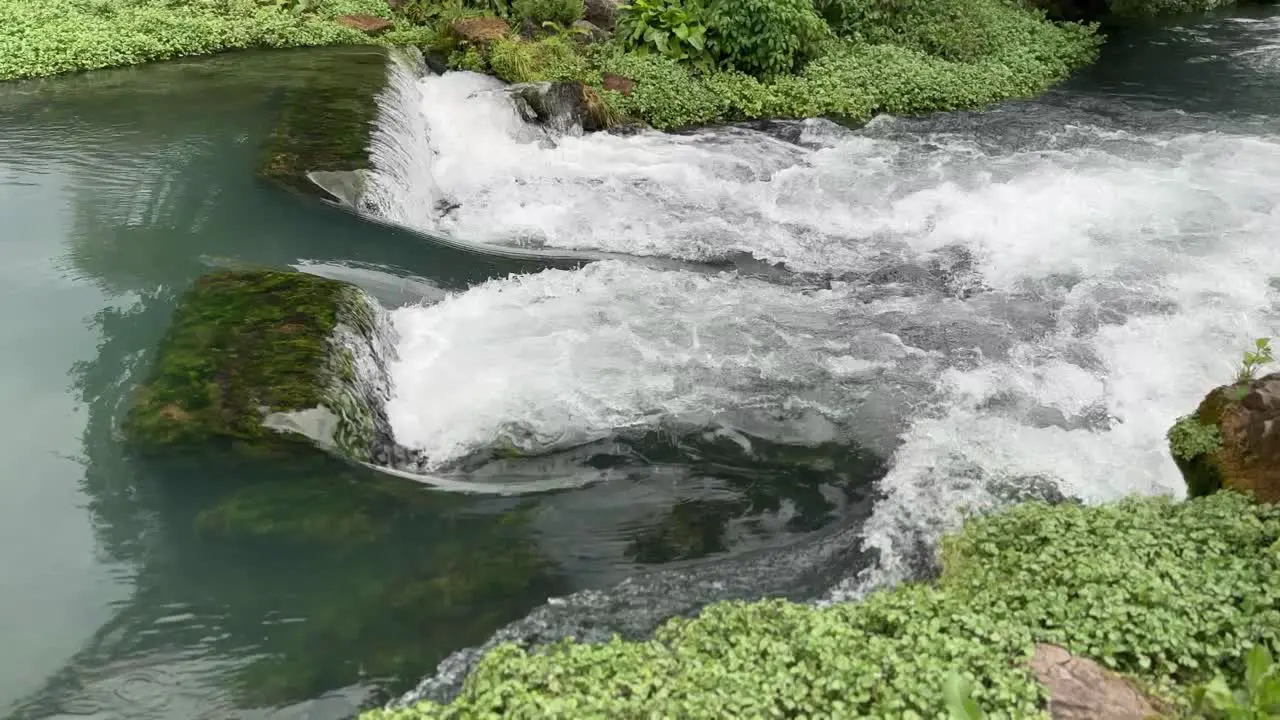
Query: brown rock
x=1081, y=689
x=588, y=32
x=1249, y=459
x=617, y=83
x=481, y=30
x=368, y=24
x=601, y=13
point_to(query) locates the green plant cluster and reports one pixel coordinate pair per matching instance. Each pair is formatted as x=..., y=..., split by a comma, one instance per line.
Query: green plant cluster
x=1257, y=699
x=1189, y=438
x=1172, y=593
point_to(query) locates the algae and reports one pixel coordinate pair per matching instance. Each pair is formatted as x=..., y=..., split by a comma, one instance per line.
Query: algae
x=244, y=352
x=325, y=123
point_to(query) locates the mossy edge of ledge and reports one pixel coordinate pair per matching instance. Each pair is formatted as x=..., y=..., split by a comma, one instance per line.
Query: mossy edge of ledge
x=246, y=353
x=325, y=124
x=1166, y=592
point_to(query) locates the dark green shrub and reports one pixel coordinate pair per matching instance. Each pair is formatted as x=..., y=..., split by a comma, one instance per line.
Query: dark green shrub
x=765, y=38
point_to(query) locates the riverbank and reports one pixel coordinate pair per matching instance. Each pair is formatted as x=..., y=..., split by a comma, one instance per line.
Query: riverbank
x=47, y=37
x=665, y=63
x=1172, y=594
x=678, y=63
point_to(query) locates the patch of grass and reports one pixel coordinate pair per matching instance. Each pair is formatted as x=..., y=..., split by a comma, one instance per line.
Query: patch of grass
x=1172, y=593
x=45, y=37
x=553, y=58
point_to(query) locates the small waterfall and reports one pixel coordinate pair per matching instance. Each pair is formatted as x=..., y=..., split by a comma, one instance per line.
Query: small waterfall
x=401, y=186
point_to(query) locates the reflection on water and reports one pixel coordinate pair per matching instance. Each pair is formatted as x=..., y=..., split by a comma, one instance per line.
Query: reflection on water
x=212, y=587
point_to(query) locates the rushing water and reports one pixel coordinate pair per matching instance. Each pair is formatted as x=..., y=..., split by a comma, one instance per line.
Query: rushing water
x=808, y=350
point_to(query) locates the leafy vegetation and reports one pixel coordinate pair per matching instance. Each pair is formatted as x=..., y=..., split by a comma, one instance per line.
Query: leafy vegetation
x=1259, y=699
x=1260, y=355
x=1172, y=593
x=44, y=37
x=674, y=29
x=1189, y=438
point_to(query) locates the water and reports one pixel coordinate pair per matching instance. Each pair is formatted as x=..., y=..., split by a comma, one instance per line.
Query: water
x=810, y=349
x=1005, y=304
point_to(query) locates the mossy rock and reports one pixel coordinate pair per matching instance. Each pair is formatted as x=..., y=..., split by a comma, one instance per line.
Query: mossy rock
x=325, y=124
x=264, y=362
x=1232, y=441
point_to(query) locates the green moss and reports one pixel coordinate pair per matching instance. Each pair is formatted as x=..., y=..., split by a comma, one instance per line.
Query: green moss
x=244, y=344
x=1169, y=592
x=325, y=124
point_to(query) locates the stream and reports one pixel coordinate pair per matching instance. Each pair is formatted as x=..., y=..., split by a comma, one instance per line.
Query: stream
x=800, y=353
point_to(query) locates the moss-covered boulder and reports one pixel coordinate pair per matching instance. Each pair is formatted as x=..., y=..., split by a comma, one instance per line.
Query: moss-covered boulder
x=264, y=359
x=325, y=124
x=1232, y=441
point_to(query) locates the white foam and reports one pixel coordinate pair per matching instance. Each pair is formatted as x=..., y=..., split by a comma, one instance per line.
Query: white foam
x=564, y=357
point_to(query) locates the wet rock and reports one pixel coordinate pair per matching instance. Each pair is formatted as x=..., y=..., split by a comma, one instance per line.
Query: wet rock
x=619, y=84
x=267, y=361
x=481, y=30
x=591, y=32
x=1246, y=454
x=367, y=24
x=561, y=106
x=601, y=13
x=325, y=123
x=1081, y=689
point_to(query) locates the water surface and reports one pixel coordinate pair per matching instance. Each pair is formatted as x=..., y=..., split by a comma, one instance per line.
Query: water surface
x=963, y=310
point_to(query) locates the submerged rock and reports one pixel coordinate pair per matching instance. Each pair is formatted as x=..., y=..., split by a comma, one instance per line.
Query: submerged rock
x=264, y=359
x=1232, y=441
x=325, y=124
x=562, y=106
x=1081, y=689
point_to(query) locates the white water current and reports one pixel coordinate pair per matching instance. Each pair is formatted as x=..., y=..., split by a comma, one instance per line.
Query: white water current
x=1029, y=294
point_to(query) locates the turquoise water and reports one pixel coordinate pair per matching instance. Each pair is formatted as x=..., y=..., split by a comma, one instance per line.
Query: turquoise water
x=141, y=590
x=117, y=189
x=987, y=292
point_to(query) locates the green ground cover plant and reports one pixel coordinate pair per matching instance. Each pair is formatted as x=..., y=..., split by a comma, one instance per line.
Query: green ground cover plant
x=46, y=37
x=1173, y=593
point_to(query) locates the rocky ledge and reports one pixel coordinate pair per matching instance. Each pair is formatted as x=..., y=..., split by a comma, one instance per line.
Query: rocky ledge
x=324, y=125
x=268, y=361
